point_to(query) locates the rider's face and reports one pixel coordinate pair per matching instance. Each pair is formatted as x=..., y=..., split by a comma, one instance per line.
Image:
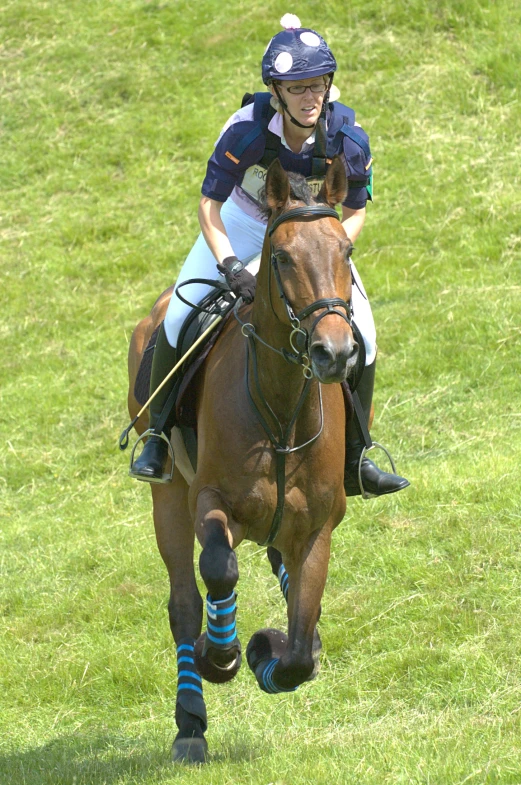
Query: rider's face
x=306, y=107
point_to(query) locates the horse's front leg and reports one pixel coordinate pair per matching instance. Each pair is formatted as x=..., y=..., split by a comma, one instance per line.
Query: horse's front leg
x=279, y=570
x=281, y=663
x=218, y=650
x=175, y=538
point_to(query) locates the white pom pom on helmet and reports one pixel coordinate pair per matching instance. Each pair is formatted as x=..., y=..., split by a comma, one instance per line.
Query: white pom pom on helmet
x=290, y=22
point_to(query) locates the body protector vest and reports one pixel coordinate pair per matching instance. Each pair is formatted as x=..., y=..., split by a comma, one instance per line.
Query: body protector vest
x=328, y=143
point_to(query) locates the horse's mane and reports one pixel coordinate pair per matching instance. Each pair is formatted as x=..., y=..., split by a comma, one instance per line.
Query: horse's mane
x=299, y=190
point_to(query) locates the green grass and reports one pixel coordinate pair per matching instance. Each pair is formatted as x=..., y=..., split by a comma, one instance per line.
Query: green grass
x=109, y=112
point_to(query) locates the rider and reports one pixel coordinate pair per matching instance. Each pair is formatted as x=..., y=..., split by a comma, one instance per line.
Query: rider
x=301, y=122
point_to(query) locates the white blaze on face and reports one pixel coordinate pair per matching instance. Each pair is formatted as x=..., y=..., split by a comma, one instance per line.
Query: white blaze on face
x=283, y=62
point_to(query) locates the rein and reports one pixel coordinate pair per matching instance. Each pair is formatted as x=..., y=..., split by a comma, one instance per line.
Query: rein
x=297, y=356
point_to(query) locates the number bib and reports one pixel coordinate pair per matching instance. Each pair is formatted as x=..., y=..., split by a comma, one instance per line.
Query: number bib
x=254, y=181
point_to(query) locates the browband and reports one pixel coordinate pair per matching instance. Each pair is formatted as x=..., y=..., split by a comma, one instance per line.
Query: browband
x=304, y=212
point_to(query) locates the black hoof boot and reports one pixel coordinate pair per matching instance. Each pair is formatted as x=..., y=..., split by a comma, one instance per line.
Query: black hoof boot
x=374, y=481
x=264, y=650
x=150, y=466
x=217, y=666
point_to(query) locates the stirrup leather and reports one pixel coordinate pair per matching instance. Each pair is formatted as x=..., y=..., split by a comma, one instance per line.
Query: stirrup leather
x=167, y=476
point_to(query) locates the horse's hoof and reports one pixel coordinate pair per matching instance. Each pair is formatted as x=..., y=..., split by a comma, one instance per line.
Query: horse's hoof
x=217, y=672
x=267, y=644
x=190, y=751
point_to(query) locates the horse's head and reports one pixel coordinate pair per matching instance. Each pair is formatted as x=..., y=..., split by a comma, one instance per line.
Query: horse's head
x=309, y=254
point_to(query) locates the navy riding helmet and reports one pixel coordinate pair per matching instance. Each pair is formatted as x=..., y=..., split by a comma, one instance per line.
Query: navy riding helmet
x=296, y=53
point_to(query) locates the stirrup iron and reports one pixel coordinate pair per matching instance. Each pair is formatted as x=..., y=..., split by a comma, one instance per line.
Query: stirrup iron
x=366, y=449
x=167, y=476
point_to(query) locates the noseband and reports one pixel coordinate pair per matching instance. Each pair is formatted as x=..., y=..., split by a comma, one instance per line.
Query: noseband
x=299, y=355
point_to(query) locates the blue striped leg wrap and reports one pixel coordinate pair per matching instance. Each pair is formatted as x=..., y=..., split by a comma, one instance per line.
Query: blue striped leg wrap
x=221, y=630
x=187, y=677
x=284, y=581
x=266, y=679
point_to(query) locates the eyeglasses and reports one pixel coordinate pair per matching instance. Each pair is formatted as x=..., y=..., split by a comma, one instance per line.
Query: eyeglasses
x=300, y=89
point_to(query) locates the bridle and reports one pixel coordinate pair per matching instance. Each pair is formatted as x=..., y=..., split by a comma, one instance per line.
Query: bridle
x=298, y=356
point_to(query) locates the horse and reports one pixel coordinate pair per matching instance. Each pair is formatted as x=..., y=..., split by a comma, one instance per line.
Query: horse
x=271, y=419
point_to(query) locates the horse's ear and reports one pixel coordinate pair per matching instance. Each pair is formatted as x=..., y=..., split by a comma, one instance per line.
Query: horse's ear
x=334, y=188
x=277, y=186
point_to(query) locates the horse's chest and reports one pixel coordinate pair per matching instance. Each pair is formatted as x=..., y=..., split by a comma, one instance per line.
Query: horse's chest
x=306, y=506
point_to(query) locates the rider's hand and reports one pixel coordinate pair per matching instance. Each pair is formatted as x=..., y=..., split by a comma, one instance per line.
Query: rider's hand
x=241, y=282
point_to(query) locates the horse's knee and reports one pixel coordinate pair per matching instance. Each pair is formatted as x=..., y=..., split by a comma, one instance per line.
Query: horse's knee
x=218, y=566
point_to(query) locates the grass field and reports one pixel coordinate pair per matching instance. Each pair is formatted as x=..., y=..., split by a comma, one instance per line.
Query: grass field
x=109, y=112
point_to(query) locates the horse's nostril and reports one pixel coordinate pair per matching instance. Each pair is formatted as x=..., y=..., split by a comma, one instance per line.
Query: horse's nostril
x=322, y=355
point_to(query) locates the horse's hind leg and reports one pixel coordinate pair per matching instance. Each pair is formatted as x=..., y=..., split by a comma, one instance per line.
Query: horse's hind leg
x=175, y=538
x=218, y=651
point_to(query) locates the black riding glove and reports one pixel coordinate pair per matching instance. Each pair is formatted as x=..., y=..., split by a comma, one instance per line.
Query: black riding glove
x=241, y=282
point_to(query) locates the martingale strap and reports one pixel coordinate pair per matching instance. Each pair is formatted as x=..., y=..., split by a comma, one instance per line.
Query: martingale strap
x=280, y=443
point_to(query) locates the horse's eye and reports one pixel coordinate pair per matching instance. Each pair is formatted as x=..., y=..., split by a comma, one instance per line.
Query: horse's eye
x=282, y=257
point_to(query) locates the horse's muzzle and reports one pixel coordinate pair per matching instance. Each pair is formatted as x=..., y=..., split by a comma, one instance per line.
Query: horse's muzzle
x=332, y=364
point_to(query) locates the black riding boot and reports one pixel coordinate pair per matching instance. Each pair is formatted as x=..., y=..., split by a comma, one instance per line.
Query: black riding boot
x=150, y=465
x=375, y=481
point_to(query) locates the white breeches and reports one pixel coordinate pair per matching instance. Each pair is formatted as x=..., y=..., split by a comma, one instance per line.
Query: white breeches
x=246, y=238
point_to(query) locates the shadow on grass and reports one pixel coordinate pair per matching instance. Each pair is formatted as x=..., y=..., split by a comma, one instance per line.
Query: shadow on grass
x=236, y=750
x=104, y=760
x=79, y=760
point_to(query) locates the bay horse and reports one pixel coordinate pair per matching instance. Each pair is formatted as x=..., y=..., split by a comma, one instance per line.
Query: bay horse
x=270, y=456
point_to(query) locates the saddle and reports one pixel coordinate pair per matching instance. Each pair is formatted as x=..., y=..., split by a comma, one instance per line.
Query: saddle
x=218, y=302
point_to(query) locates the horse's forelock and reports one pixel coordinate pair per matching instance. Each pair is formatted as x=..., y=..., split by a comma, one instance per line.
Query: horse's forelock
x=299, y=190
